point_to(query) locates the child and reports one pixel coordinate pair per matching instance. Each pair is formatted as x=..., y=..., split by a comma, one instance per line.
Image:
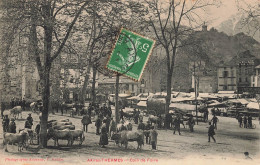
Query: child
x=154, y=135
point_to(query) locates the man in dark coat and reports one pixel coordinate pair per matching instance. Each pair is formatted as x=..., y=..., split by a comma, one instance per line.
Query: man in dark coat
x=240, y=120
x=177, y=122
x=5, y=123
x=191, y=123
x=141, y=126
x=30, y=119
x=211, y=132
x=249, y=121
x=168, y=120
x=28, y=124
x=215, y=120
x=86, y=120
x=245, y=121
x=103, y=136
x=98, y=124
x=147, y=131
x=12, y=126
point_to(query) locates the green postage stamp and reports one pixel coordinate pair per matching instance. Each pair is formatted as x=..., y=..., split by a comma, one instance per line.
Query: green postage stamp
x=130, y=54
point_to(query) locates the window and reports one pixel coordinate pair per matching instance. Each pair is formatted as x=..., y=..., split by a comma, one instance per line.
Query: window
x=225, y=74
x=142, y=82
x=225, y=87
x=240, y=80
x=232, y=73
x=246, y=79
x=133, y=87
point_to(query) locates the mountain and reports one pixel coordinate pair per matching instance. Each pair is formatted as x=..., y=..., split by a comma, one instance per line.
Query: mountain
x=217, y=48
x=235, y=24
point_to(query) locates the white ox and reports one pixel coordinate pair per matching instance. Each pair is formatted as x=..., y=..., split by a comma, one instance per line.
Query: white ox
x=66, y=134
x=16, y=111
x=124, y=137
x=16, y=138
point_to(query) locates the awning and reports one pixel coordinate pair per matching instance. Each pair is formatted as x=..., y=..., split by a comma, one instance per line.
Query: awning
x=186, y=107
x=253, y=105
x=133, y=98
x=226, y=92
x=142, y=104
x=124, y=95
x=243, y=101
x=128, y=109
x=235, y=101
x=217, y=104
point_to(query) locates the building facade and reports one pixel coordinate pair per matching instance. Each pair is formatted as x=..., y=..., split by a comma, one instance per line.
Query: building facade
x=227, y=78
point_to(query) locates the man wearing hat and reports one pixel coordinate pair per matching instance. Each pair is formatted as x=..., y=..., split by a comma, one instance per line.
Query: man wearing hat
x=12, y=126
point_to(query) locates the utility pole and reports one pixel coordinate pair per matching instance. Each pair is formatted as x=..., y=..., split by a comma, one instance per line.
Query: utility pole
x=195, y=91
x=116, y=102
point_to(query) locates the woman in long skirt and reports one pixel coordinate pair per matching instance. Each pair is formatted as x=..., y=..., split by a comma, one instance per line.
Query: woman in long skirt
x=103, y=136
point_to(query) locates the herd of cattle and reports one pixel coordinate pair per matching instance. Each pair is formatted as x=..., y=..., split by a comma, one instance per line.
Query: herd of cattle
x=65, y=130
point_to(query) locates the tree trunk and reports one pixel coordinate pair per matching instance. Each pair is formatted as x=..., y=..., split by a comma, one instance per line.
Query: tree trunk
x=116, y=102
x=93, y=91
x=44, y=119
x=85, y=84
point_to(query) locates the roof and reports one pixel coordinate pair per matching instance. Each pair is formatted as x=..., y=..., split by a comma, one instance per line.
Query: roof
x=253, y=105
x=226, y=92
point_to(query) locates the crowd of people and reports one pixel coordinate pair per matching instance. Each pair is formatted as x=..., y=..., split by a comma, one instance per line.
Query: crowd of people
x=245, y=121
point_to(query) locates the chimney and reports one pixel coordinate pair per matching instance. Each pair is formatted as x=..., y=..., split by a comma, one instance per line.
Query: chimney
x=204, y=27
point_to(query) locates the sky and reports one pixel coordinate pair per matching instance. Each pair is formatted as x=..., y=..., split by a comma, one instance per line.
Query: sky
x=225, y=11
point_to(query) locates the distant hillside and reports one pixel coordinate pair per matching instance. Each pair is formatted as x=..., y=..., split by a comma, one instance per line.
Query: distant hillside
x=218, y=48
x=235, y=25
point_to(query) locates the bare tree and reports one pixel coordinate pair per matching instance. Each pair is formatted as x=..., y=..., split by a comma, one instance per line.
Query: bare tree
x=172, y=21
x=252, y=13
